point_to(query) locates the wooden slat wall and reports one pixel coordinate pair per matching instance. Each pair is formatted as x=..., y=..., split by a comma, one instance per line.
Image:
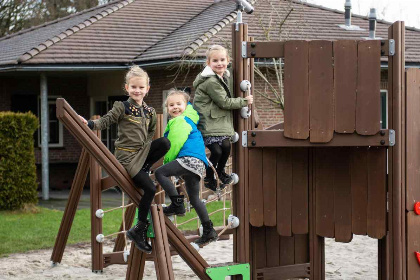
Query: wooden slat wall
x=296, y=92
x=359, y=186
x=256, y=199
x=342, y=194
x=345, y=84
x=269, y=186
x=413, y=137
x=413, y=245
x=324, y=165
x=300, y=195
x=376, y=214
x=284, y=191
x=320, y=91
x=272, y=240
x=368, y=108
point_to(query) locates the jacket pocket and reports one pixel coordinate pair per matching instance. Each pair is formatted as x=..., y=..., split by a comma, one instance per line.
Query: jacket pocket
x=216, y=113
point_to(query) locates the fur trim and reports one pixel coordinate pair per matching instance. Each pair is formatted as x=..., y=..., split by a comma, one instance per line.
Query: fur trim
x=207, y=72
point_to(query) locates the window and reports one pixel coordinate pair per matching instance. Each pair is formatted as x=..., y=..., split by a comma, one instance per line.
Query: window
x=55, y=127
x=384, y=109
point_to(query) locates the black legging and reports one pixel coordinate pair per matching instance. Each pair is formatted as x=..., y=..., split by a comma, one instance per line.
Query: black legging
x=158, y=149
x=219, y=156
x=192, y=184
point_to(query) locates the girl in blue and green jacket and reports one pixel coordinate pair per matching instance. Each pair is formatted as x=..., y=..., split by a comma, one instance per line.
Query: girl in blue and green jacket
x=185, y=158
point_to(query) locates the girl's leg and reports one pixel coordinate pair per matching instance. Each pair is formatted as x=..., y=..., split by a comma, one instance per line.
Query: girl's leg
x=143, y=181
x=192, y=183
x=158, y=149
x=216, y=153
x=225, y=148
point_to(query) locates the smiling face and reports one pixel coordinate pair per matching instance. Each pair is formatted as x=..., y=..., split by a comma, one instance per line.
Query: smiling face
x=218, y=61
x=176, y=105
x=137, y=88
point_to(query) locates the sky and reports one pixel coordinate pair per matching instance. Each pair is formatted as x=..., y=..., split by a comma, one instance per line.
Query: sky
x=389, y=10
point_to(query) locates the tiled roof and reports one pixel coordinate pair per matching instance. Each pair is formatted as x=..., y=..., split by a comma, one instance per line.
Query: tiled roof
x=142, y=31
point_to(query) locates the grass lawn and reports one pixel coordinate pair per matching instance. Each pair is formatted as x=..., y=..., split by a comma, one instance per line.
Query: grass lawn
x=21, y=231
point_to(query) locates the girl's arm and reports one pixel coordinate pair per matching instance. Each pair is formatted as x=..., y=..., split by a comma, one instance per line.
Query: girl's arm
x=218, y=94
x=179, y=130
x=113, y=116
x=152, y=127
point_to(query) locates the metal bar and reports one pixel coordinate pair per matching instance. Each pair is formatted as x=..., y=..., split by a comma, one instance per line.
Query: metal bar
x=44, y=137
x=275, y=138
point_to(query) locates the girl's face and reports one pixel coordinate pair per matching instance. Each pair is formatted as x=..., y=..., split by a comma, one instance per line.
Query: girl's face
x=218, y=62
x=137, y=88
x=175, y=104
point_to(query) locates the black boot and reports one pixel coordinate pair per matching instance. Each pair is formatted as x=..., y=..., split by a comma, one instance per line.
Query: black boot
x=176, y=207
x=210, y=183
x=209, y=235
x=138, y=234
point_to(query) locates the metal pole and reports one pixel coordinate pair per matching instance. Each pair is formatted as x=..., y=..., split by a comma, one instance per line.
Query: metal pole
x=44, y=137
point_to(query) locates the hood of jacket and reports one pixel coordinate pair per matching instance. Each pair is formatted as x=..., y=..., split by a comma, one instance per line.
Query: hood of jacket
x=205, y=74
x=191, y=113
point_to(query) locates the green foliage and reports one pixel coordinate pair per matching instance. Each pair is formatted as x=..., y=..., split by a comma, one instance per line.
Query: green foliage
x=17, y=160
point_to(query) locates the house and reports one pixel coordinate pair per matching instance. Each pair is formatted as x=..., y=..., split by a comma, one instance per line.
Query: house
x=83, y=57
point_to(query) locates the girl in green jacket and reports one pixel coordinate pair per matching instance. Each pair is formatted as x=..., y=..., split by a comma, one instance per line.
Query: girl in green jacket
x=214, y=103
x=134, y=148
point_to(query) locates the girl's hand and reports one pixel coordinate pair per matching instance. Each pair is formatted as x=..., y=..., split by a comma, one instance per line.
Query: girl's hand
x=250, y=99
x=83, y=120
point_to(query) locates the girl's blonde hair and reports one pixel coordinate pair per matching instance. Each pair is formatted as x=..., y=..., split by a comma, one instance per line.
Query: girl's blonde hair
x=216, y=48
x=136, y=71
x=177, y=92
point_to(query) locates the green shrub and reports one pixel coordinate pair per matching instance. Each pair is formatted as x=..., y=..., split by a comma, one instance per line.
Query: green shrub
x=17, y=160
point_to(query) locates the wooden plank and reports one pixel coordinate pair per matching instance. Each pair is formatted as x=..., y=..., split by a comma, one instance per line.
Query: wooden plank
x=345, y=85
x=136, y=262
x=321, y=89
x=265, y=49
x=376, y=214
x=256, y=199
x=296, y=92
x=359, y=188
x=272, y=240
x=71, y=207
x=287, y=250
x=301, y=248
x=300, y=195
x=276, y=138
x=368, y=105
x=284, y=191
x=260, y=247
x=413, y=137
x=342, y=195
x=96, y=223
x=269, y=186
x=284, y=272
x=324, y=195
x=413, y=245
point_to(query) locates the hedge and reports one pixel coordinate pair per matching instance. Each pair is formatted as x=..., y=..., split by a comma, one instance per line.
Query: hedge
x=18, y=184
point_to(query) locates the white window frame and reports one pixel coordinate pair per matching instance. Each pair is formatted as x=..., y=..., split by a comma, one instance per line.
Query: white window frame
x=51, y=101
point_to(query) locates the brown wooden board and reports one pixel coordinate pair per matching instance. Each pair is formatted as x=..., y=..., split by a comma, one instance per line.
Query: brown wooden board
x=264, y=49
x=376, y=214
x=359, y=188
x=284, y=191
x=259, y=247
x=300, y=195
x=296, y=93
x=95, y=222
x=321, y=88
x=345, y=85
x=136, y=262
x=297, y=271
x=368, y=104
x=413, y=245
x=342, y=194
x=301, y=248
x=269, y=186
x=324, y=191
x=287, y=250
x=256, y=200
x=272, y=240
x=413, y=137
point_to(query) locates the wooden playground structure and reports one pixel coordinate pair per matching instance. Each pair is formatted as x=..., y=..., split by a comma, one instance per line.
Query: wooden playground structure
x=334, y=168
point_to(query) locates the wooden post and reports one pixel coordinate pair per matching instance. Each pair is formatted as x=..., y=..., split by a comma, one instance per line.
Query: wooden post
x=136, y=262
x=71, y=207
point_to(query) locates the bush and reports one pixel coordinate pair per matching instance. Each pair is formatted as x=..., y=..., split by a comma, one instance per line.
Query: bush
x=17, y=160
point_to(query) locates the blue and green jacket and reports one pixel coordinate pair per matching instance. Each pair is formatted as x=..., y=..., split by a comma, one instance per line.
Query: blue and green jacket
x=186, y=140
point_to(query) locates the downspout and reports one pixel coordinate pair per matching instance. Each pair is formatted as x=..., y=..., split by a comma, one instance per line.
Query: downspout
x=44, y=137
x=372, y=23
x=347, y=13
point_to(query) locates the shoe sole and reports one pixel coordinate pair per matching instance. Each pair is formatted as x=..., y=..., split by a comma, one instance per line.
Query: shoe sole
x=132, y=239
x=208, y=242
